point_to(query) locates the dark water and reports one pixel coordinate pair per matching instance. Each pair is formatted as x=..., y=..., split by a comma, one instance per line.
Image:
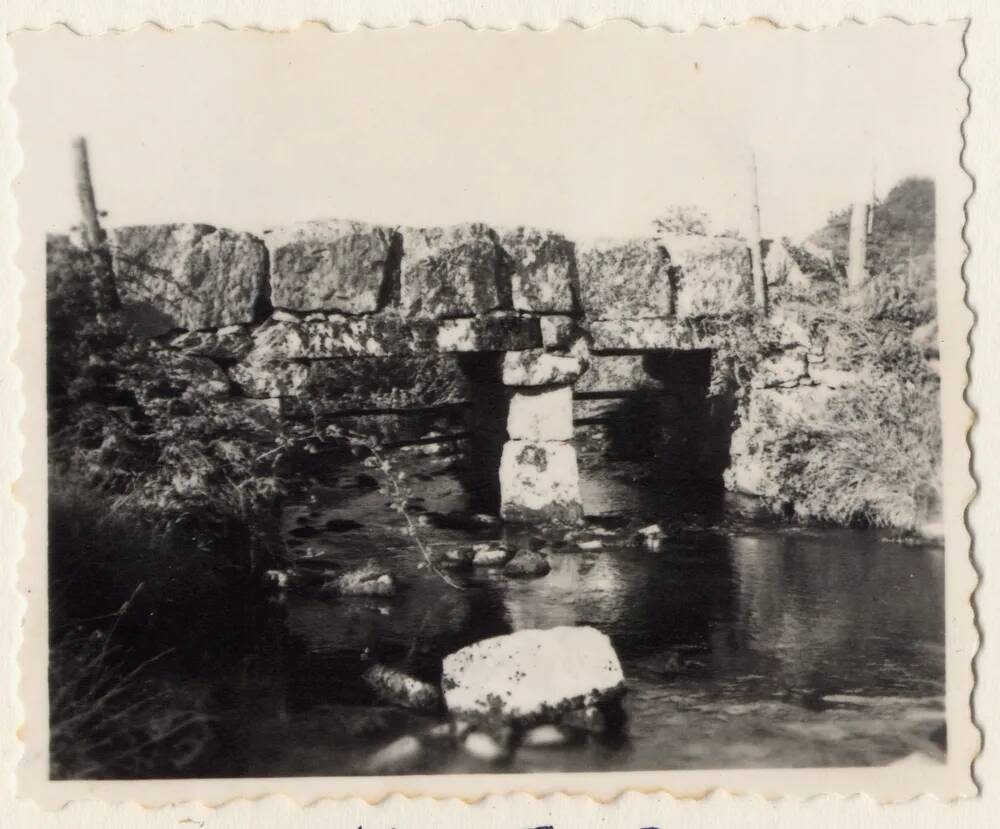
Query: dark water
x=743, y=642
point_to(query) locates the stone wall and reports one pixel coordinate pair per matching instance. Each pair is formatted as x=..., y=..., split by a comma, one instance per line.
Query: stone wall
x=510, y=334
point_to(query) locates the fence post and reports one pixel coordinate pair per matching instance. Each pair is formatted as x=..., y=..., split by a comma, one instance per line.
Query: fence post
x=857, y=247
x=756, y=253
x=94, y=236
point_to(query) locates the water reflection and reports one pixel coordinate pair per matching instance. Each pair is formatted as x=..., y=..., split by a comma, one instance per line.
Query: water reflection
x=743, y=643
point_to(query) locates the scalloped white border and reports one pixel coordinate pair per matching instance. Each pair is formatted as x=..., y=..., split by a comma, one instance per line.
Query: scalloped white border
x=630, y=809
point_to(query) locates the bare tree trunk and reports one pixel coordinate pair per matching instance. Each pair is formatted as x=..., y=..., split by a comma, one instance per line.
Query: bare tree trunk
x=857, y=249
x=756, y=252
x=94, y=236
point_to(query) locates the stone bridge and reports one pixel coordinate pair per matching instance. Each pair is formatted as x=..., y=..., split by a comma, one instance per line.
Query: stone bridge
x=505, y=337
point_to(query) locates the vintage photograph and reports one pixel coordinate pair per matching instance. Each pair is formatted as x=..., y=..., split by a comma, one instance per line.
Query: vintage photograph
x=438, y=402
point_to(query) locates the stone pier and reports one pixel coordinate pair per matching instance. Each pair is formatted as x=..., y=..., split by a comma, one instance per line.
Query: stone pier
x=539, y=479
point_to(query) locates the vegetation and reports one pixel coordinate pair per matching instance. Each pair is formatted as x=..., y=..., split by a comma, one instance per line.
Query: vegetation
x=873, y=456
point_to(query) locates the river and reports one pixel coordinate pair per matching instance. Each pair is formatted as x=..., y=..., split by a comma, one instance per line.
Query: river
x=744, y=642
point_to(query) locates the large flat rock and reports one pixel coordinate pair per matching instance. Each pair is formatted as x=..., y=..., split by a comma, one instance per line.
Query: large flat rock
x=663, y=333
x=187, y=276
x=712, y=274
x=329, y=265
x=624, y=279
x=532, y=676
x=539, y=264
x=339, y=336
x=451, y=272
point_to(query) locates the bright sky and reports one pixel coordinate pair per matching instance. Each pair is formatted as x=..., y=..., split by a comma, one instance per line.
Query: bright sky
x=589, y=132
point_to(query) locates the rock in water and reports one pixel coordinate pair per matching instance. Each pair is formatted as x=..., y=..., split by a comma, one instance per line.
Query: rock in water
x=484, y=746
x=527, y=565
x=397, y=688
x=365, y=581
x=547, y=736
x=491, y=555
x=396, y=755
x=532, y=676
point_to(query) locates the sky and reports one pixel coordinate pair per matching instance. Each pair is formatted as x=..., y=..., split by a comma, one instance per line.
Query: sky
x=589, y=132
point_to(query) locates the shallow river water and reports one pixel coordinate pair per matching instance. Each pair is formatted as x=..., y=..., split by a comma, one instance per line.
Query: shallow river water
x=744, y=642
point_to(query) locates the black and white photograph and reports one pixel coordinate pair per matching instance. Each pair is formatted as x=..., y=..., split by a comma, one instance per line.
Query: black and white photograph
x=443, y=402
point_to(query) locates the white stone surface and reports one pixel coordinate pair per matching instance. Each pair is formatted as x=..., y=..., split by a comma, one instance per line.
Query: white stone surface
x=539, y=482
x=532, y=675
x=538, y=367
x=541, y=414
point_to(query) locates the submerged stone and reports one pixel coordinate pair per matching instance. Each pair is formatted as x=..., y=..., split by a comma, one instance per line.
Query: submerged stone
x=365, y=581
x=397, y=688
x=396, y=756
x=526, y=565
x=491, y=555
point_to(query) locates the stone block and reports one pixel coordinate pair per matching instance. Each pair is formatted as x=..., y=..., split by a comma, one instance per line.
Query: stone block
x=663, y=333
x=541, y=414
x=540, y=268
x=338, y=336
x=532, y=676
x=497, y=332
x=628, y=279
x=451, y=272
x=540, y=483
x=187, y=276
x=558, y=332
x=712, y=274
x=538, y=367
x=329, y=265
x=227, y=344
x=616, y=373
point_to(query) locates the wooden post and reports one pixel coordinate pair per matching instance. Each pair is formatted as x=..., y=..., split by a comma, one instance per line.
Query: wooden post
x=94, y=236
x=857, y=247
x=756, y=253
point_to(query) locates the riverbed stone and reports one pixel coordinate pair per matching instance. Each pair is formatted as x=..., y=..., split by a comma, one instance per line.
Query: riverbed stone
x=367, y=580
x=539, y=367
x=397, y=688
x=496, y=332
x=540, y=482
x=624, y=279
x=450, y=272
x=397, y=756
x=527, y=565
x=187, y=276
x=541, y=414
x=331, y=265
x=532, y=676
x=712, y=274
x=491, y=555
x=540, y=268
